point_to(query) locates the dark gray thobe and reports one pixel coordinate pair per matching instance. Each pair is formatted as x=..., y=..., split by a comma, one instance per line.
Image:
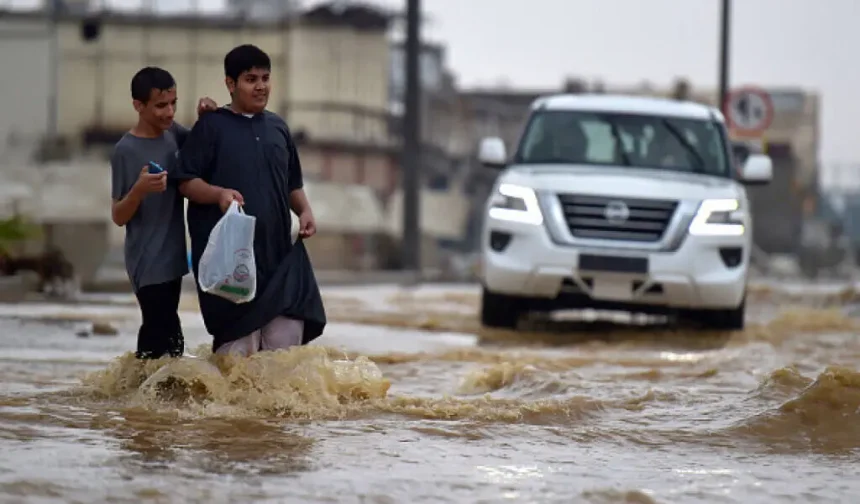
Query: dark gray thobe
x=257, y=157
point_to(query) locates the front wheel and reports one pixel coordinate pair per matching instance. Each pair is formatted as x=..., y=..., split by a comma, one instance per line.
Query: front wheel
x=499, y=310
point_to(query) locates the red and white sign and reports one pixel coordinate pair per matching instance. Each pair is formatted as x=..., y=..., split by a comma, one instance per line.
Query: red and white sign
x=749, y=111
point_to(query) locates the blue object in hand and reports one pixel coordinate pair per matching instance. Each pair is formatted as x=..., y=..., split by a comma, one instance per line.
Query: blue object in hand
x=155, y=168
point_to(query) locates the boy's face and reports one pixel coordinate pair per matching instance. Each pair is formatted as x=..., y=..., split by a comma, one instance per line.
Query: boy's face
x=160, y=108
x=251, y=91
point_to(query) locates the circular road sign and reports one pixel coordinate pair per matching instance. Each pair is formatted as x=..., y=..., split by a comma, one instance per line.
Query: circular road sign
x=749, y=111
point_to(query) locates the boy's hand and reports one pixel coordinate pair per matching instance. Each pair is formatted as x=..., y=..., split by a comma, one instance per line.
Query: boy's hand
x=206, y=104
x=307, y=224
x=150, y=182
x=227, y=197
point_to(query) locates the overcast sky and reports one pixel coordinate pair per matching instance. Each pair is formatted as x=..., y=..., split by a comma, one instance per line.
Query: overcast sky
x=808, y=43
x=536, y=43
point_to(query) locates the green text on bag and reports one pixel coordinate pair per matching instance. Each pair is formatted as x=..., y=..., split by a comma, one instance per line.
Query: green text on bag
x=241, y=291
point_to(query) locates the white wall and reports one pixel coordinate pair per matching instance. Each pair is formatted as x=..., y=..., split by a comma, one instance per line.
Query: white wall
x=310, y=65
x=24, y=82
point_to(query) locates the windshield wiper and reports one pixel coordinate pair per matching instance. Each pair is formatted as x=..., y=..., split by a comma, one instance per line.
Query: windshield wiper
x=700, y=161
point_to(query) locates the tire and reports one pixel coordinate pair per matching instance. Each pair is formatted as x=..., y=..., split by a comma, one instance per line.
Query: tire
x=732, y=319
x=500, y=311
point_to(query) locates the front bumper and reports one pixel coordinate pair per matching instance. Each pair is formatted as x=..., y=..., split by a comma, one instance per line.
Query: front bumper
x=695, y=272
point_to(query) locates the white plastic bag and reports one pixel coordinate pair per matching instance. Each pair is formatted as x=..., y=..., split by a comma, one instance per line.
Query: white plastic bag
x=227, y=266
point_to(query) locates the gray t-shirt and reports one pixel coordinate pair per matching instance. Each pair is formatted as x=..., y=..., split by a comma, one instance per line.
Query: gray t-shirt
x=155, y=250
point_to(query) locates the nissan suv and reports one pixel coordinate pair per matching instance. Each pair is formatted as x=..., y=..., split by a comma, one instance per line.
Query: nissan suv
x=618, y=203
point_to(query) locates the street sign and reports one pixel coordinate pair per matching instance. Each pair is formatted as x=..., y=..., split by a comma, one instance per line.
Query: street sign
x=749, y=111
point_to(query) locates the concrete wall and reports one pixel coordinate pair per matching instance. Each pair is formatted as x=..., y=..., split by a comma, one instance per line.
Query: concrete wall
x=339, y=252
x=311, y=64
x=25, y=82
x=375, y=169
x=72, y=203
x=345, y=67
x=84, y=243
x=331, y=82
x=443, y=215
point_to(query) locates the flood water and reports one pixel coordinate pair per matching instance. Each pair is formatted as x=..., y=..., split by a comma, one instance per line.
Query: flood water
x=406, y=400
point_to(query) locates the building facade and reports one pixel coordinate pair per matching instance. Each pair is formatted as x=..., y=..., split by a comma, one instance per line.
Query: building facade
x=330, y=78
x=25, y=54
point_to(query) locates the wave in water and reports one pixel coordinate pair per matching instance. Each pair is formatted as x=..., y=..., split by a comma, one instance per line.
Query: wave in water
x=314, y=382
x=823, y=413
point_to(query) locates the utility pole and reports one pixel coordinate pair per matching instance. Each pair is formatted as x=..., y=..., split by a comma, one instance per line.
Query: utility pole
x=725, y=45
x=411, y=155
x=53, y=69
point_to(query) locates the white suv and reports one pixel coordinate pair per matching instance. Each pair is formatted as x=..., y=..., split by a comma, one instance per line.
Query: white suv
x=618, y=203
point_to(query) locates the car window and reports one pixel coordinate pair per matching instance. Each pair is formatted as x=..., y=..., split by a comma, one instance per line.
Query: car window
x=625, y=139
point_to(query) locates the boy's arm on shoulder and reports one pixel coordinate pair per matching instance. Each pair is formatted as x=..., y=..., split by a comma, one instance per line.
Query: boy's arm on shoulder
x=196, y=154
x=124, y=174
x=196, y=158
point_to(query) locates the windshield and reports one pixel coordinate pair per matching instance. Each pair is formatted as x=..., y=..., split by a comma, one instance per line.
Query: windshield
x=597, y=138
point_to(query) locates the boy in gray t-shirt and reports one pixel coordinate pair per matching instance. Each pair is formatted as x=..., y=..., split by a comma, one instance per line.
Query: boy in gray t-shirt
x=151, y=209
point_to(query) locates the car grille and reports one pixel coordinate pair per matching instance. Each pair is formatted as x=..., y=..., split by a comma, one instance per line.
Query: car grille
x=646, y=220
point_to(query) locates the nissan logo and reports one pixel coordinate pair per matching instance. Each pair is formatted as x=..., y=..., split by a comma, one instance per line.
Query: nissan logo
x=616, y=212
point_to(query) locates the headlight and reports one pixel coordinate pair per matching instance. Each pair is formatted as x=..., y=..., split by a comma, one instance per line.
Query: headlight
x=718, y=217
x=516, y=203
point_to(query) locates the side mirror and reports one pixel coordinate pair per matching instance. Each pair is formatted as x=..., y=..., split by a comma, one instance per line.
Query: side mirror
x=491, y=152
x=758, y=169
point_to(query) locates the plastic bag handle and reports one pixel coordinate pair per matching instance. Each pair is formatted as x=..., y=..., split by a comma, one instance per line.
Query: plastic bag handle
x=235, y=208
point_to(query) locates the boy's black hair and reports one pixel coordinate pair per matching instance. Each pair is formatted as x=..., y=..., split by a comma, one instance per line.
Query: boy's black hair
x=147, y=79
x=245, y=58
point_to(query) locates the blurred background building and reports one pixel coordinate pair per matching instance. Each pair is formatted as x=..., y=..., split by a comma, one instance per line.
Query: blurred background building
x=339, y=81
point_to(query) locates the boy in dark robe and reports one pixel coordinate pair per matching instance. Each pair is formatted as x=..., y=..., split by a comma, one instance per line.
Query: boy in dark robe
x=244, y=153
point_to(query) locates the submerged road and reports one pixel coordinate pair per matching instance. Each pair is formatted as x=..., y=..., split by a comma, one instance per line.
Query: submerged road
x=406, y=399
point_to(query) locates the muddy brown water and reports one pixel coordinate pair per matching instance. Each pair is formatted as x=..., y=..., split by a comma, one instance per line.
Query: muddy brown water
x=407, y=399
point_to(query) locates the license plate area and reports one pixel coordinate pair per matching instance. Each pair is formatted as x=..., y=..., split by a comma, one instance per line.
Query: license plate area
x=613, y=264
